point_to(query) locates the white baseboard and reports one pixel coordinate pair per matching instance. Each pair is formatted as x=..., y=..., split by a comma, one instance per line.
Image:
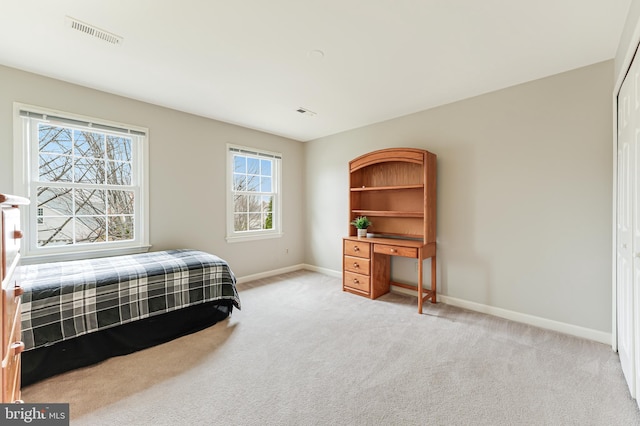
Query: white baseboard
x=330, y=272
x=562, y=327
x=268, y=274
x=573, y=330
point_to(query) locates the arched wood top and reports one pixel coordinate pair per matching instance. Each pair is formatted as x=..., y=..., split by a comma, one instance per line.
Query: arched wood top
x=407, y=155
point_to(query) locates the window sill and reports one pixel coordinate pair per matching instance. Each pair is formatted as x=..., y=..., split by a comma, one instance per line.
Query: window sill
x=252, y=237
x=87, y=254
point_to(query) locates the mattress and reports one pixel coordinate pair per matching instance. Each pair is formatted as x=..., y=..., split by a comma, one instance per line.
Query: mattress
x=64, y=300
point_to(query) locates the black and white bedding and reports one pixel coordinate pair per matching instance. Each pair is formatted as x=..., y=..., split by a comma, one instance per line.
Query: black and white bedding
x=65, y=300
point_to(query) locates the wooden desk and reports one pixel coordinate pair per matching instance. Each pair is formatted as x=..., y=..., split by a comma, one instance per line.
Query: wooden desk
x=366, y=266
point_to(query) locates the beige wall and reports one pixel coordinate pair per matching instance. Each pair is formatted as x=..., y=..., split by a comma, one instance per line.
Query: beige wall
x=187, y=169
x=524, y=195
x=525, y=178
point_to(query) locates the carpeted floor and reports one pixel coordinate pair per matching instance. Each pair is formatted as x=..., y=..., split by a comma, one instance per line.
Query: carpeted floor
x=302, y=352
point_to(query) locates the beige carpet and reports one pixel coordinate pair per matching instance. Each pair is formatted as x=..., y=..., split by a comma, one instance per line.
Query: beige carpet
x=302, y=352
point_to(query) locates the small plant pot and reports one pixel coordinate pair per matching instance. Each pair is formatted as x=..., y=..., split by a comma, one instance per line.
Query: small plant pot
x=362, y=233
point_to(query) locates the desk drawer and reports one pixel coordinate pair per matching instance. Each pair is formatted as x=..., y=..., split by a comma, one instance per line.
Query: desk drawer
x=356, y=248
x=357, y=281
x=395, y=250
x=358, y=265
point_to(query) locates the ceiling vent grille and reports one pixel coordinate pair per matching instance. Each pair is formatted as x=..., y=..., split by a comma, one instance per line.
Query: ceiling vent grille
x=94, y=31
x=305, y=111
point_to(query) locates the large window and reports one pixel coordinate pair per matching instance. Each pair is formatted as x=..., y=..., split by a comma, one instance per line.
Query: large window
x=253, y=203
x=86, y=182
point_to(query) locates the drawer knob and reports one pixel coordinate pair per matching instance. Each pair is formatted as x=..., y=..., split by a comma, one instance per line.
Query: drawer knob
x=17, y=347
x=18, y=291
x=356, y=248
x=355, y=281
x=355, y=265
x=17, y=234
x=393, y=250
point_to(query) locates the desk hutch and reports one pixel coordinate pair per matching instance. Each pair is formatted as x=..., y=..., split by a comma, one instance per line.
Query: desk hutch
x=396, y=189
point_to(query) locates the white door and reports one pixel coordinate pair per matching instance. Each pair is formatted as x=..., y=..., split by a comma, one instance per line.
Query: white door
x=625, y=234
x=624, y=263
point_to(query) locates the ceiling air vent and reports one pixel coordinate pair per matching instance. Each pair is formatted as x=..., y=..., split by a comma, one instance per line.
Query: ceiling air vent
x=305, y=111
x=93, y=31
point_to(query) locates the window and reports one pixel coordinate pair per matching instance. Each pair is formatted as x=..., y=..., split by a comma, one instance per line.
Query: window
x=253, y=203
x=87, y=184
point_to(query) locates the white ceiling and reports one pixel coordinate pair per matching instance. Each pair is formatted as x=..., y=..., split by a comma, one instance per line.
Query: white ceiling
x=250, y=62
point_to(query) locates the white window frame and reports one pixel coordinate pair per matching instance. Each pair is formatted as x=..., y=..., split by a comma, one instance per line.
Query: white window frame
x=26, y=170
x=276, y=232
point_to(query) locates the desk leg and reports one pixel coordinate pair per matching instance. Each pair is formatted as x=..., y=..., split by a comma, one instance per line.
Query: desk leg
x=420, y=261
x=433, y=279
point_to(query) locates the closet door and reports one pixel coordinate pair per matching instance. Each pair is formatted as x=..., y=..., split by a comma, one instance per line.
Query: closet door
x=628, y=229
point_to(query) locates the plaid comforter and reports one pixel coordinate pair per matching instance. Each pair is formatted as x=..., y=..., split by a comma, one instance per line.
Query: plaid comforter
x=68, y=299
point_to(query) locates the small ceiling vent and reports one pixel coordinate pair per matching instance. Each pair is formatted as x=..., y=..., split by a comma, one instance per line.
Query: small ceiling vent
x=93, y=31
x=305, y=111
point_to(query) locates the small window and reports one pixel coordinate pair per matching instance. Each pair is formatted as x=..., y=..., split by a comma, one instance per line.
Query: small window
x=253, y=203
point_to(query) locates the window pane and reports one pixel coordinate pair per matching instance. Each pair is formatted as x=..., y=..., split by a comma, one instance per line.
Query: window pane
x=91, y=229
x=89, y=170
x=255, y=206
x=120, y=228
x=53, y=139
x=55, y=231
x=55, y=201
x=88, y=144
x=240, y=222
x=253, y=165
x=265, y=167
x=118, y=148
x=90, y=202
x=55, y=168
x=239, y=182
x=239, y=164
x=240, y=203
x=267, y=209
x=265, y=184
x=120, y=202
x=253, y=183
x=118, y=173
x=255, y=221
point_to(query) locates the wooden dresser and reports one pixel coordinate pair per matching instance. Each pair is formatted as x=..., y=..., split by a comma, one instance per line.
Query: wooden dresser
x=396, y=189
x=12, y=345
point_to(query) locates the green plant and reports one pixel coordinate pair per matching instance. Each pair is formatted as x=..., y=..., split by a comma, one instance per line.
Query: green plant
x=361, y=222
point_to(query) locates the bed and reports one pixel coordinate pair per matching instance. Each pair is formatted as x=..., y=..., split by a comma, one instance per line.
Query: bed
x=81, y=312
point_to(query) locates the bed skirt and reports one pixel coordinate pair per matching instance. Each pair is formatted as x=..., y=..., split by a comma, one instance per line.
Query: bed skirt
x=88, y=349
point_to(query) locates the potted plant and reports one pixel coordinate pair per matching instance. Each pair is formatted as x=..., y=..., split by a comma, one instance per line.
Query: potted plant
x=361, y=223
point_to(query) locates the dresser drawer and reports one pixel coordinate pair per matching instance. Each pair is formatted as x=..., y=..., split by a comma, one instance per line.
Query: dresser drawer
x=356, y=281
x=395, y=250
x=357, y=248
x=11, y=366
x=11, y=236
x=358, y=265
x=10, y=314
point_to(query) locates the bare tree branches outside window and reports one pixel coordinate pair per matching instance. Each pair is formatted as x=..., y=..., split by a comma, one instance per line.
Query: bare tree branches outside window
x=253, y=193
x=82, y=191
